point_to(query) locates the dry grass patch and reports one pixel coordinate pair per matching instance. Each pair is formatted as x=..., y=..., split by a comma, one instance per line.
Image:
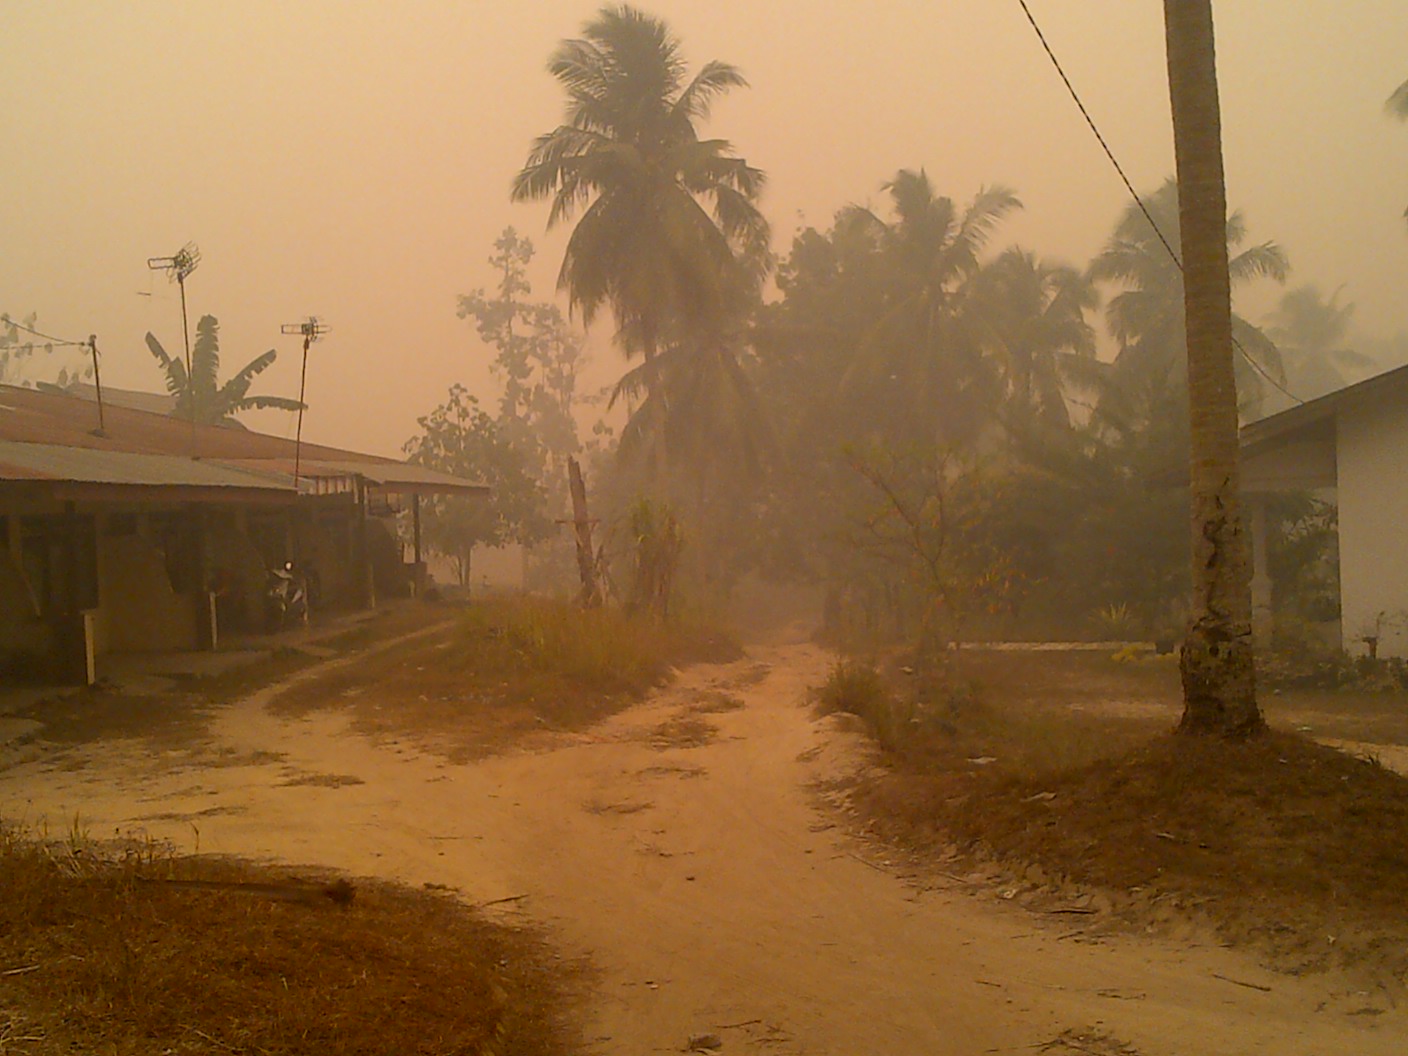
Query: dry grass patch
x=104, y=954
x=503, y=671
x=180, y=717
x=1294, y=845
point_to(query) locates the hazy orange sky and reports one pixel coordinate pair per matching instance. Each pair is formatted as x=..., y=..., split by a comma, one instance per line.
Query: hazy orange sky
x=353, y=159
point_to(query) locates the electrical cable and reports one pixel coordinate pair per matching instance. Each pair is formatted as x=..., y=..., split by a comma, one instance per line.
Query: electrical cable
x=57, y=341
x=1133, y=193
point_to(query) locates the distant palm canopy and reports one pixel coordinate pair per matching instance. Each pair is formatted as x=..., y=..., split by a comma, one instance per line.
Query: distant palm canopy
x=1397, y=105
x=1398, y=102
x=669, y=237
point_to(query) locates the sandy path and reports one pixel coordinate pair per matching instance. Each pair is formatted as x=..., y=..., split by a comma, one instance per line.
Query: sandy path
x=708, y=887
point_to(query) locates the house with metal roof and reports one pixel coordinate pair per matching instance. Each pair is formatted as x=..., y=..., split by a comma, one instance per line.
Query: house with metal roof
x=1353, y=442
x=123, y=530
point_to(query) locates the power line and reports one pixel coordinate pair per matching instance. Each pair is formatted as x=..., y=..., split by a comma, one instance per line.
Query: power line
x=1132, y=192
x=1095, y=129
x=58, y=341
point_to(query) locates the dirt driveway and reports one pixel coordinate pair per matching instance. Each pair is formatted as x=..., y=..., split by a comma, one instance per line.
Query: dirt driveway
x=681, y=845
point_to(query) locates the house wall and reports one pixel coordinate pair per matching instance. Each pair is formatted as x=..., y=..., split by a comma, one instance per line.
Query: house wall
x=1305, y=466
x=23, y=635
x=238, y=572
x=1373, y=522
x=327, y=550
x=140, y=611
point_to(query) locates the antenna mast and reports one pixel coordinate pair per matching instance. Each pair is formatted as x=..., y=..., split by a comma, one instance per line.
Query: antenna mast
x=311, y=329
x=179, y=266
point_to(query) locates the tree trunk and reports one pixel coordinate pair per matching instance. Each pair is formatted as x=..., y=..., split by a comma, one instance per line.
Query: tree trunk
x=1219, y=687
x=586, y=565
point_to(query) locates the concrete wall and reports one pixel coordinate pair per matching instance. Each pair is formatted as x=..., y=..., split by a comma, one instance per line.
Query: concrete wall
x=238, y=573
x=1373, y=522
x=139, y=611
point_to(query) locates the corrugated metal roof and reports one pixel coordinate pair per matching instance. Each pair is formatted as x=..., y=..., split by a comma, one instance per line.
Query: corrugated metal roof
x=68, y=423
x=402, y=477
x=60, y=463
x=36, y=417
x=396, y=477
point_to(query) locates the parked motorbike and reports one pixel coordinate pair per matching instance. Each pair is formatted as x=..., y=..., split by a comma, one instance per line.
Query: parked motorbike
x=286, y=598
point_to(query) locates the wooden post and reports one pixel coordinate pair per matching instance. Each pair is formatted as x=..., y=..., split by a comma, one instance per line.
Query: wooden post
x=582, y=525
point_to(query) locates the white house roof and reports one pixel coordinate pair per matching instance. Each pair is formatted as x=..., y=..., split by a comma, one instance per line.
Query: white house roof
x=1390, y=385
x=1295, y=449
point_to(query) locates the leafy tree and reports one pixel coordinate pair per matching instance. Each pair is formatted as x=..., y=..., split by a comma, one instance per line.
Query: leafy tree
x=925, y=355
x=537, y=358
x=938, y=347
x=1034, y=312
x=1148, y=380
x=1312, y=333
x=716, y=429
x=201, y=397
x=459, y=437
x=669, y=231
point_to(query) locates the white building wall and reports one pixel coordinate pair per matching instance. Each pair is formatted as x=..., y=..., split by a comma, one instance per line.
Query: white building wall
x=1373, y=516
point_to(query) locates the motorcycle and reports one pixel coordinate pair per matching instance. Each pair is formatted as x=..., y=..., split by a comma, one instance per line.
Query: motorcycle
x=286, y=597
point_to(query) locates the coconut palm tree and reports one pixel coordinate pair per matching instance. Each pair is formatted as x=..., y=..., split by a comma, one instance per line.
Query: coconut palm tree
x=669, y=226
x=1219, y=684
x=1397, y=104
x=926, y=351
x=1312, y=332
x=201, y=397
x=1146, y=317
x=1035, y=313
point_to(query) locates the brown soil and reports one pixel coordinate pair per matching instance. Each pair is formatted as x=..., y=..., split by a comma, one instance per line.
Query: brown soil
x=1063, y=775
x=713, y=893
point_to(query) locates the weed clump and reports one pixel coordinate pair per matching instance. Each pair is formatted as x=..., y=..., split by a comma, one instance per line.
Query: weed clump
x=902, y=723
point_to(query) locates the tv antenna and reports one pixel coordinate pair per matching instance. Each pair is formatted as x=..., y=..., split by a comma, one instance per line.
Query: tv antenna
x=179, y=266
x=311, y=329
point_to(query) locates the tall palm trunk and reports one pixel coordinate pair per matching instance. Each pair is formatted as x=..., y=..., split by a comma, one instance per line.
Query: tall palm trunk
x=1219, y=687
x=658, y=408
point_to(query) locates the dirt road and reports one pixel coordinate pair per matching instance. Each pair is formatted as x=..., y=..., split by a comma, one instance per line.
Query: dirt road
x=681, y=846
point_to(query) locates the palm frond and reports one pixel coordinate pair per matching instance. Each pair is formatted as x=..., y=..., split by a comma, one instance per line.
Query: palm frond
x=239, y=384
x=205, y=358
x=1267, y=260
x=713, y=79
x=276, y=403
x=988, y=209
x=1397, y=103
x=174, y=369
